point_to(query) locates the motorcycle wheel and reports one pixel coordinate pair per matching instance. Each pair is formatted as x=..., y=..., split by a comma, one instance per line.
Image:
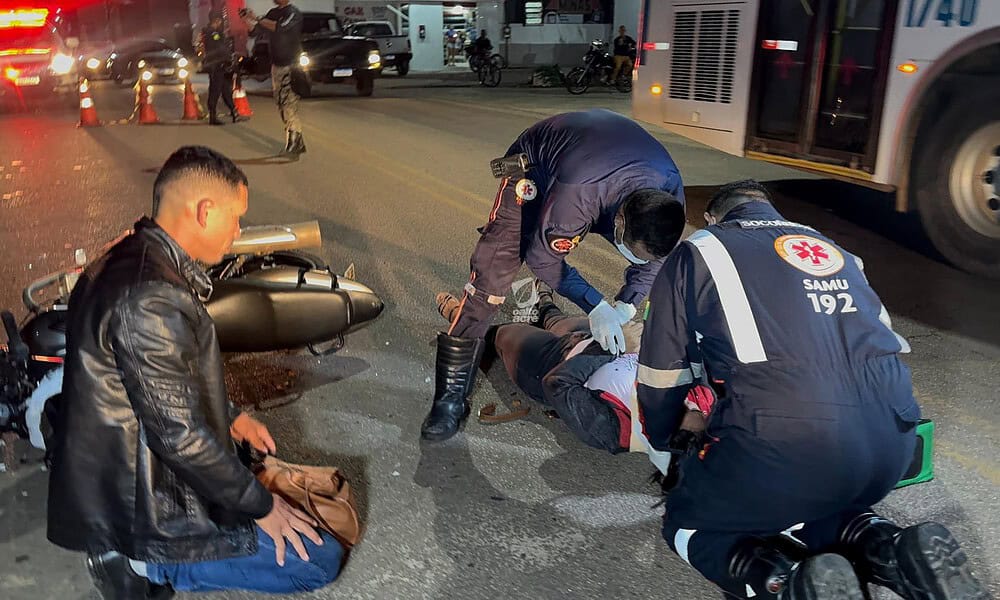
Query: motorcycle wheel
x=578, y=81
x=489, y=75
x=624, y=82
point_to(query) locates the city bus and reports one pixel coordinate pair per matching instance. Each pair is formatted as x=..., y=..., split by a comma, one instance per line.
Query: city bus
x=899, y=95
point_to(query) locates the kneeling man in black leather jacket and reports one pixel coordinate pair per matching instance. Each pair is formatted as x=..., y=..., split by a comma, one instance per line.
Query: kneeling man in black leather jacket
x=145, y=478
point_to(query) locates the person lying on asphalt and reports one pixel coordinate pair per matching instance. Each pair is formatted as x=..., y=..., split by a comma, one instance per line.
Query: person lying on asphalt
x=557, y=363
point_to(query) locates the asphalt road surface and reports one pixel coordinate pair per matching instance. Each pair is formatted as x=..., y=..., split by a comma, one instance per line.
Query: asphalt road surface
x=399, y=182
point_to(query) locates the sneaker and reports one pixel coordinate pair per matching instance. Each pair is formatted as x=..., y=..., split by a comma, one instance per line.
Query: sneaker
x=933, y=565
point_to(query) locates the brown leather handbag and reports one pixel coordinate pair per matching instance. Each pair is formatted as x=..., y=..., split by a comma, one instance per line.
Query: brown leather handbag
x=321, y=492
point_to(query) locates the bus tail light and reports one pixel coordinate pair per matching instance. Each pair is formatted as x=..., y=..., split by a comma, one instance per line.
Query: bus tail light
x=656, y=89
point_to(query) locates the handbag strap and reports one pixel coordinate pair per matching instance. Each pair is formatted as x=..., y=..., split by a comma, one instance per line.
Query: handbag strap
x=488, y=413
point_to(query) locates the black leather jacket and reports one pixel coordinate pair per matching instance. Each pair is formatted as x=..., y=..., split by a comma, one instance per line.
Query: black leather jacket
x=143, y=461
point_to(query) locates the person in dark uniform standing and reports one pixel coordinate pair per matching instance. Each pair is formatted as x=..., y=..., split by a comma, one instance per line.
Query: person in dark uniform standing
x=283, y=25
x=217, y=50
x=814, y=423
x=589, y=171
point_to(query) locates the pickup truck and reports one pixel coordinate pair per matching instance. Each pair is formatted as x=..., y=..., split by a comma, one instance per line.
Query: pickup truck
x=396, y=50
x=328, y=55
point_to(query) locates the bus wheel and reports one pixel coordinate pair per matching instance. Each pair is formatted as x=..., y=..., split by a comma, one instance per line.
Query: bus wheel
x=955, y=182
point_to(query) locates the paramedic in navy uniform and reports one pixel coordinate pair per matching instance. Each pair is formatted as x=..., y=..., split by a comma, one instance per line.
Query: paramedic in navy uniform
x=591, y=171
x=814, y=424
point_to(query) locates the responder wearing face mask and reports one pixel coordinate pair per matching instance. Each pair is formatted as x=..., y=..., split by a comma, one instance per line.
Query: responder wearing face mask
x=591, y=171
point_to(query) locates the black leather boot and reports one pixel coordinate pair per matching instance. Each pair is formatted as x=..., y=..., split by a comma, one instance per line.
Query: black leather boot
x=869, y=543
x=934, y=566
x=824, y=576
x=922, y=562
x=237, y=117
x=115, y=580
x=456, y=366
x=213, y=119
x=759, y=565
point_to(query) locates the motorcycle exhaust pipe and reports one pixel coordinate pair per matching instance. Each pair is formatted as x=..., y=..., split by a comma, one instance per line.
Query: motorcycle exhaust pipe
x=263, y=239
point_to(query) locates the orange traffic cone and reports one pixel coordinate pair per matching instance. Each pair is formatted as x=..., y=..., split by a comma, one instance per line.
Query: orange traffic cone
x=88, y=114
x=191, y=108
x=240, y=100
x=147, y=114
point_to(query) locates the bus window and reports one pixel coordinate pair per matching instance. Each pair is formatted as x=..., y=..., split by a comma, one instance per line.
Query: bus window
x=851, y=76
x=820, y=78
x=786, y=29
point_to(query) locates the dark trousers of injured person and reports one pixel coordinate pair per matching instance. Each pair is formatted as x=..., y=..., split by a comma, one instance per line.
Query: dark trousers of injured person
x=531, y=352
x=803, y=486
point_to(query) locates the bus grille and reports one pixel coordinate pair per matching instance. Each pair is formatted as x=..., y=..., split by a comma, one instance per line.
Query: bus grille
x=704, y=55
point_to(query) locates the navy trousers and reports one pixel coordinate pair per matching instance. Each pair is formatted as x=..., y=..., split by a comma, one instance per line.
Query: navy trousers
x=495, y=261
x=745, y=486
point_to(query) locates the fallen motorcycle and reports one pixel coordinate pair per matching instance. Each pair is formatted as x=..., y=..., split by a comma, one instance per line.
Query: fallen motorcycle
x=267, y=295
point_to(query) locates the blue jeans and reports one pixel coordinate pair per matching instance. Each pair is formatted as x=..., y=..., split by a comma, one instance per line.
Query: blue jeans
x=259, y=572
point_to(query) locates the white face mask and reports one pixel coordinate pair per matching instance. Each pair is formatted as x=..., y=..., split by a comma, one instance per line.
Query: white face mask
x=632, y=258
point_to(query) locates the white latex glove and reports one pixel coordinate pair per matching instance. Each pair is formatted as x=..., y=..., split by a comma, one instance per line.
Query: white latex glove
x=606, y=327
x=625, y=310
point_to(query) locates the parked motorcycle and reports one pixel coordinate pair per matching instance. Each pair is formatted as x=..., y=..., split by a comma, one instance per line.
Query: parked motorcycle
x=598, y=64
x=267, y=295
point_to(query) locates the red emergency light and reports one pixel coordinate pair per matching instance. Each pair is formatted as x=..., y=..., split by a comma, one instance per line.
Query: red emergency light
x=23, y=17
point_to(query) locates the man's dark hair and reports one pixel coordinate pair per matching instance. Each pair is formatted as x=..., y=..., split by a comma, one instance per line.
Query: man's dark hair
x=195, y=160
x=735, y=194
x=655, y=219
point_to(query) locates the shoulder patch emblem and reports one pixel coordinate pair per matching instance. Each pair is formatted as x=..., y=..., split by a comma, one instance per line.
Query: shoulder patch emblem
x=564, y=245
x=809, y=254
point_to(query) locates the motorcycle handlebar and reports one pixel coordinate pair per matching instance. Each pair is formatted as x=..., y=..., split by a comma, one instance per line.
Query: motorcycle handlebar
x=262, y=239
x=28, y=295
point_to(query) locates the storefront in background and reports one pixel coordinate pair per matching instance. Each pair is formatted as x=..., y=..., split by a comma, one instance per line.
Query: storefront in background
x=556, y=32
